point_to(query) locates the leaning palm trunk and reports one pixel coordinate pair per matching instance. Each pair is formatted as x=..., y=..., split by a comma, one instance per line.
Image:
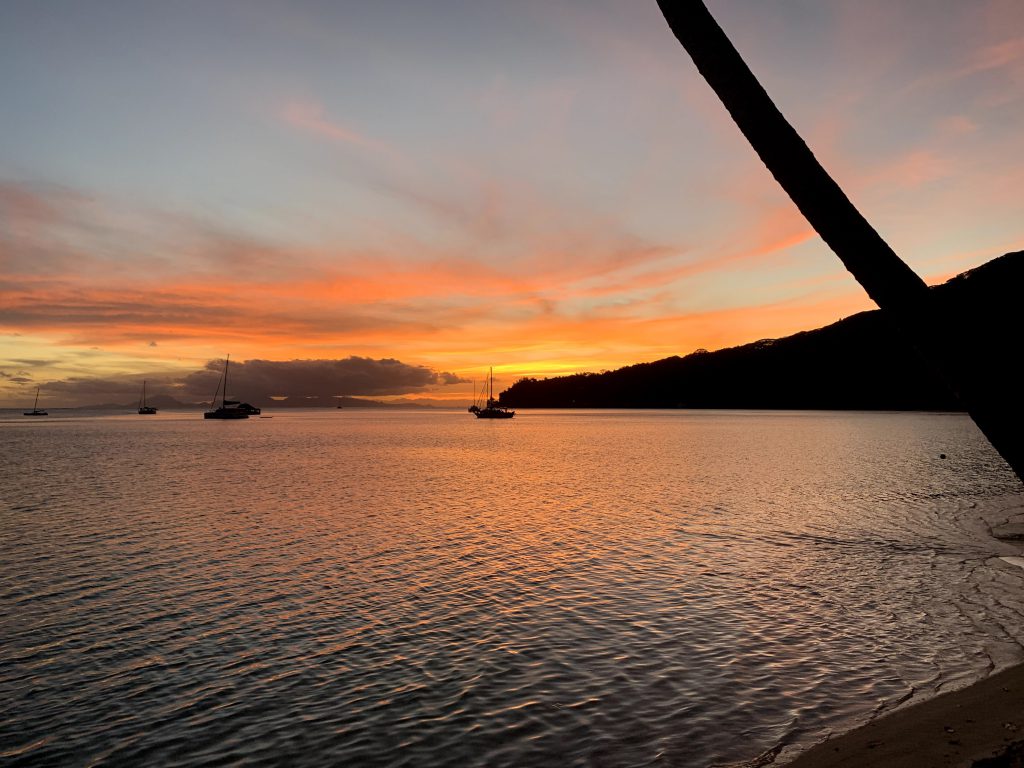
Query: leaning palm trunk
x=954, y=347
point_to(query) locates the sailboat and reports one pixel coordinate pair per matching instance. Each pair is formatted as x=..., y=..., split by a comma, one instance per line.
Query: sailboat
x=492, y=410
x=144, y=409
x=228, y=409
x=35, y=408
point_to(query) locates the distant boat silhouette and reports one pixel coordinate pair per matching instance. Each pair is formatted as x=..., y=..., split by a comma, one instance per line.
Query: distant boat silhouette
x=35, y=408
x=144, y=409
x=229, y=409
x=491, y=410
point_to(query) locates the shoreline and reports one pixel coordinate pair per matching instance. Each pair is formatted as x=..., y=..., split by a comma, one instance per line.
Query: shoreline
x=982, y=722
x=978, y=726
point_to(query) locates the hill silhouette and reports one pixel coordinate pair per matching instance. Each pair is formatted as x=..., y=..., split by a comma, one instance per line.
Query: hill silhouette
x=858, y=363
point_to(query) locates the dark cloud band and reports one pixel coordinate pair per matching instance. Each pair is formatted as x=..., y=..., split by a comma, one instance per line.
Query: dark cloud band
x=262, y=380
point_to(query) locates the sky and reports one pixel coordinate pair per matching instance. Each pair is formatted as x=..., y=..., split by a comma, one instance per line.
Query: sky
x=385, y=198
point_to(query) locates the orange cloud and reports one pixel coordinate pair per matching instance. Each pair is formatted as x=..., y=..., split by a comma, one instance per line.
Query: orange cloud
x=586, y=300
x=230, y=292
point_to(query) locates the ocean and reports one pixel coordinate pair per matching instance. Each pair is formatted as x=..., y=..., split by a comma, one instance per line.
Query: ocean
x=420, y=588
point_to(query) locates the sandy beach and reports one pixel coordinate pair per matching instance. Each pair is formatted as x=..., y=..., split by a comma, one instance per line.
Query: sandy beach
x=980, y=726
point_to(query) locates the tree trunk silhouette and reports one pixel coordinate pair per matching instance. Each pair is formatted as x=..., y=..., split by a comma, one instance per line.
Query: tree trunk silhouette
x=954, y=346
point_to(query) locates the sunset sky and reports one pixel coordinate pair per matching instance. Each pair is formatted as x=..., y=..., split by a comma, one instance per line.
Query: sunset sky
x=409, y=192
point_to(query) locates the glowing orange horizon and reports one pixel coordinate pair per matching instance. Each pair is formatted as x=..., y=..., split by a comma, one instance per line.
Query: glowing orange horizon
x=457, y=210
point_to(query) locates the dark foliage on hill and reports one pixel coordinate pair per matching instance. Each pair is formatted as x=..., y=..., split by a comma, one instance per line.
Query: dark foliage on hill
x=856, y=363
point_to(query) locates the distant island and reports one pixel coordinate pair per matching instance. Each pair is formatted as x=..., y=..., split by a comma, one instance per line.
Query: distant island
x=858, y=363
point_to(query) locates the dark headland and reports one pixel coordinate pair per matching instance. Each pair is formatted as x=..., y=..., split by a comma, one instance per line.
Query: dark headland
x=858, y=363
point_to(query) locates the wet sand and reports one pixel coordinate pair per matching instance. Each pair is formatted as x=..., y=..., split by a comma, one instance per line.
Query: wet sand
x=982, y=722
x=980, y=726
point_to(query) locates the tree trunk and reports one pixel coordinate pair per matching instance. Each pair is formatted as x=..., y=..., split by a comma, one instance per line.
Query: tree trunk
x=952, y=346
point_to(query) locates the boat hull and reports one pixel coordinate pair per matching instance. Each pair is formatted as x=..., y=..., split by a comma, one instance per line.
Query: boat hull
x=226, y=413
x=494, y=413
x=34, y=413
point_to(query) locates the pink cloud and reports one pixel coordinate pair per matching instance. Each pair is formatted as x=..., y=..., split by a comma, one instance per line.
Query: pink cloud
x=916, y=168
x=1004, y=54
x=956, y=126
x=312, y=118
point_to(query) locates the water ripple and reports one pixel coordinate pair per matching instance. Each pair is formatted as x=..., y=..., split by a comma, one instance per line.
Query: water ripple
x=397, y=589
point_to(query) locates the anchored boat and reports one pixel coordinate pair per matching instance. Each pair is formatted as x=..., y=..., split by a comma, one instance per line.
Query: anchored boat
x=229, y=409
x=491, y=409
x=145, y=410
x=35, y=408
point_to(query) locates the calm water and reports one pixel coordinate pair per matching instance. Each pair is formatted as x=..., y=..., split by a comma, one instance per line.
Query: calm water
x=576, y=588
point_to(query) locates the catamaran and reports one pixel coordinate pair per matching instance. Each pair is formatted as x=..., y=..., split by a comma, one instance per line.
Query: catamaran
x=228, y=409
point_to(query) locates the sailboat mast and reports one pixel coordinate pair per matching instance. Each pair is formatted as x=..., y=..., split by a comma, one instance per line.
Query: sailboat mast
x=35, y=405
x=213, y=403
x=224, y=394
